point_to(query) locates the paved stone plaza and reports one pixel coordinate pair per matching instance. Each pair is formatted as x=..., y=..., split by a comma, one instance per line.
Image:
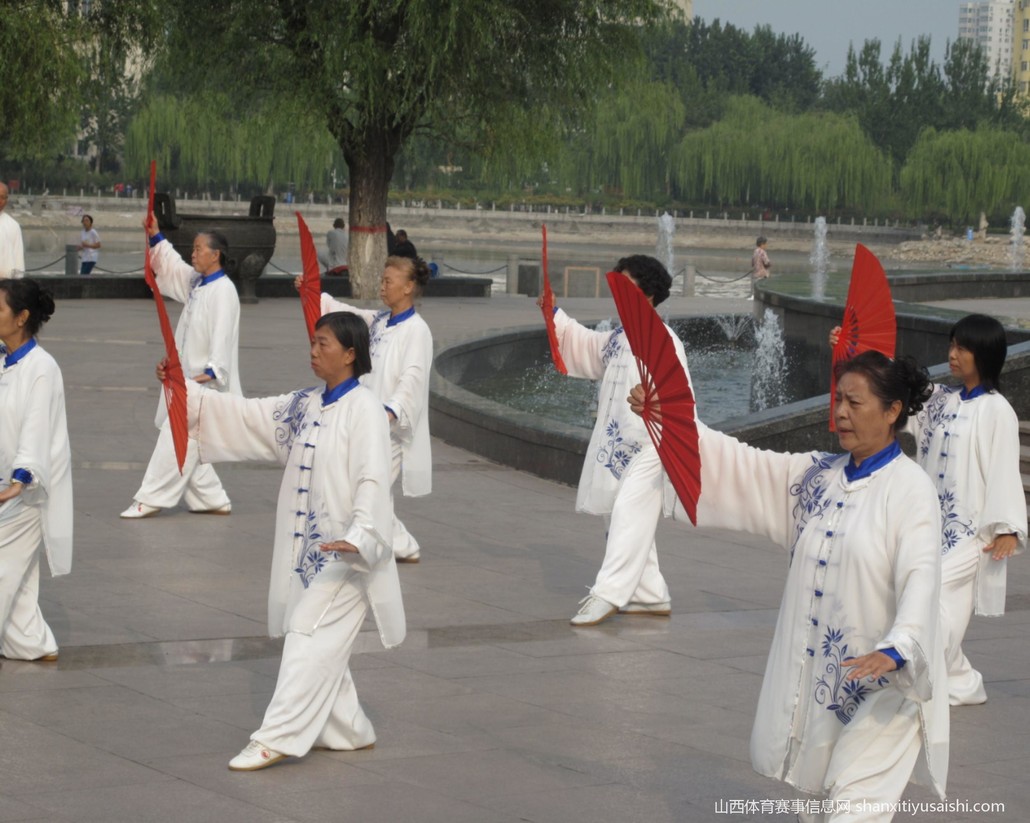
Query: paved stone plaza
x=493, y=711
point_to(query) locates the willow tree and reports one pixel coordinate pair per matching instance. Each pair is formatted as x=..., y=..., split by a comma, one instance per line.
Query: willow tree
x=755, y=154
x=958, y=174
x=200, y=141
x=377, y=70
x=47, y=51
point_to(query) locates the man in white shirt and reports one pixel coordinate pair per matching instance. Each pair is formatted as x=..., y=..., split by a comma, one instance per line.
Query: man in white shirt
x=12, y=251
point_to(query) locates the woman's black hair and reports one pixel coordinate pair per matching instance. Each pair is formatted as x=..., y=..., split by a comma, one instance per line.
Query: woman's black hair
x=352, y=333
x=24, y=294
x=216, y=241
x=985, y=338
x=414, y=267
x=652, y=277
x=88, y=217
x=900, y=379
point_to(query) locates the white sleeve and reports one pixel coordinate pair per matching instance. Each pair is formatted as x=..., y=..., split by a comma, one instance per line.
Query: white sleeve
x=580, y=347
x=173, y=274
x=230, y=428
x=331, y=304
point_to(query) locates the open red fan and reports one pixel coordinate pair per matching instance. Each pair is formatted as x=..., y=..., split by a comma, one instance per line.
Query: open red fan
x=869, y=322
x=669, y=405
x=311, y=280
x=547, y=307
x=174, y=382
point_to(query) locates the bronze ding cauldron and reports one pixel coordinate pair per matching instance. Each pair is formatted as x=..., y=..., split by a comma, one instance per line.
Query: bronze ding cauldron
x=251, y=238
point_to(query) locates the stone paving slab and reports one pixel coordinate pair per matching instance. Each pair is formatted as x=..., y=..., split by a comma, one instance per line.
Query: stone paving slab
x=494, y=709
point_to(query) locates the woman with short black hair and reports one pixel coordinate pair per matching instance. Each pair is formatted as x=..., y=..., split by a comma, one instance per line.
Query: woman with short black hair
x=331, y=560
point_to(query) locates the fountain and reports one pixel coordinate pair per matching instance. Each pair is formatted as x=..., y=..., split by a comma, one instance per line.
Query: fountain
x=733, y=325
x=663, y=249
x=767, y=384
x=820, y=259
x=1016, y=244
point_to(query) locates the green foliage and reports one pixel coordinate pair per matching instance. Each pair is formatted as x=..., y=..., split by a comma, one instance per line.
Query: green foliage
x=201, y=142
x=960, y=173
x=756, y=154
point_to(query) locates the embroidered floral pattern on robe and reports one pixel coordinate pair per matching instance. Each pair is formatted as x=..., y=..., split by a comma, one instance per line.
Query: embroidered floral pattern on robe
x=618, y=451
x=833, y=690
x=810, y=492
x=936, y=417
x=290, y=417
x=953, y=527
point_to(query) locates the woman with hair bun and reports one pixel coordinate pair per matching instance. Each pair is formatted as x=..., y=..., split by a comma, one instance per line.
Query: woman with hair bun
x=402, y=356
x=35, y=471
x=853, y=701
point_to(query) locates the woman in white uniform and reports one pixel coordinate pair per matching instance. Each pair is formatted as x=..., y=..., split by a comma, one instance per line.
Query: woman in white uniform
x=967, y=441
x=622, y=478
x=331, y=559
x=854, y=698
x=35, y=471
x=402, y=356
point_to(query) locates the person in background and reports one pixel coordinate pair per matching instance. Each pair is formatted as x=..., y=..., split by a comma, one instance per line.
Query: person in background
x=35, y=471
x=89, y=246
x=402, y=357
x=403, y=247
x=760, y=262
x=12, y=249
x=334, y=259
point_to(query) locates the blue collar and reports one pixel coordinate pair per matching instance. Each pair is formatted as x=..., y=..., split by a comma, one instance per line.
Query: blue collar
x=210, y=278
x=970, y=394
x=334, y=394
x=16, y=355
x=400, y=318
x=871, y=463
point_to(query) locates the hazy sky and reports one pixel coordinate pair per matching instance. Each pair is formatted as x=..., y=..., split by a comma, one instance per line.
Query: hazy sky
x=829, y=25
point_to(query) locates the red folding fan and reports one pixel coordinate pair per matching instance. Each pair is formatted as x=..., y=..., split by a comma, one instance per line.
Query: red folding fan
x=311, y=280
x=869, y=322
x=669, y=400
x=547, y=307
x=174, y=382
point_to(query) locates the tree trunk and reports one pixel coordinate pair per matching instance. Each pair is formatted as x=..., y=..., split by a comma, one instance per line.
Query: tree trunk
x=371, y=168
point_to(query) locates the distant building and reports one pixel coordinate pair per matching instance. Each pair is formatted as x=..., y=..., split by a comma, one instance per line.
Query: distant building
x=1021, y=46
x=989, y=23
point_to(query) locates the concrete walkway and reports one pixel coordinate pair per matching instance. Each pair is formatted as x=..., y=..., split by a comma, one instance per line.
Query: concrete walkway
x=493, y=711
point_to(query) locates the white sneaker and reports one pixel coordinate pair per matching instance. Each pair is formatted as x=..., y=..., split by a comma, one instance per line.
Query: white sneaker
x=255, y=756
x=592, y=610
x=226, y=509
x=650, y=609
x=138, y=510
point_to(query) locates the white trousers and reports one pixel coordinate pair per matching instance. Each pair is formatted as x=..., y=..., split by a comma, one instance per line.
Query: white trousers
x=315, y=702
x=404, y=544
x=871, y=764
x=164, y=487
x=958, y=592
x=24, y=634
x=629, y=572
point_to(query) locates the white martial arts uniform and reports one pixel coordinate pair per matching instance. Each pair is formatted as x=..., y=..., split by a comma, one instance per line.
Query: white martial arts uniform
x=622, y=475
x=336, y=486
x=402, y=357
x=33, y=438
x=207, y=337
x=970, y=450
x=12, y=250
x=864, y=575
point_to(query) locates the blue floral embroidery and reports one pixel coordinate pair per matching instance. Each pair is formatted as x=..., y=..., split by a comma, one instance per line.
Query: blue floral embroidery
x=953, y=527
x=290, y=417
x=613, y=346
x=312, y=558
x=812, y=499
x=935, y=416
x=375, y=331
x=841, y=696
x=618, y=451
